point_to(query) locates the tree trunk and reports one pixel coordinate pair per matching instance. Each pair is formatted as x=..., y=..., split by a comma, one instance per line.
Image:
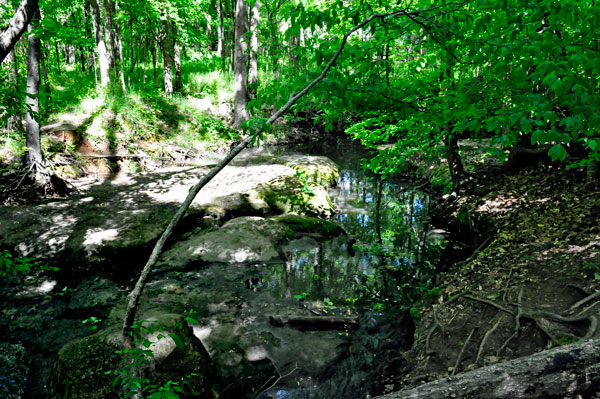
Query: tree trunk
x=455, y=165
x=154, y=62
x=33, y=157
x=16, y=26
x=240, y=78
x=166, y=47
x=563, y=372
x=254, y=18
x=101, y=45
x=119, y=44
x=14, y=121
x=177, y=62
x=221, y=35
x=109, y=29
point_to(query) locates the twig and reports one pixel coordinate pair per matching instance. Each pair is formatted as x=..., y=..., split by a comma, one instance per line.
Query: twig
x=20, y=181
x=462, y=351
x=275, y=383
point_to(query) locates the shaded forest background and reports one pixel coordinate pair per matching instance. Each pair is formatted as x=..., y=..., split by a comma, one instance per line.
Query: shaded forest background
x=418, y=78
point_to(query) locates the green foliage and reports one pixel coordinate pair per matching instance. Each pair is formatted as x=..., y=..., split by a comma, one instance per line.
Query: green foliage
x=133, y=359
x=93, y=321
x=11, y=267
x=302, y=296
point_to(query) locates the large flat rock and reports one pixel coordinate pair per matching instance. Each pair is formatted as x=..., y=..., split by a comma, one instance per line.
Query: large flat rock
x=119, y=220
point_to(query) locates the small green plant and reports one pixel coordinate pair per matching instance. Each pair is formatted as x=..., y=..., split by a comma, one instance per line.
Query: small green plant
x=11, y=266
x=302, y=296
x=138, y=356
x=93, y=321
x=305, y=183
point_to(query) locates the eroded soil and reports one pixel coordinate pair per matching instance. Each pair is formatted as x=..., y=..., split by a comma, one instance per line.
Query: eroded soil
x=533, y=283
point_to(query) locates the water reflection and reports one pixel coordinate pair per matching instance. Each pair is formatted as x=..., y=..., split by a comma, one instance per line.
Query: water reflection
x=389, y=257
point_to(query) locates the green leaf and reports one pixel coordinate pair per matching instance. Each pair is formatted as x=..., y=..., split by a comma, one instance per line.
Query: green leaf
x=557, y=151
x=192, y=320
x=177, y=340
x=593, y=144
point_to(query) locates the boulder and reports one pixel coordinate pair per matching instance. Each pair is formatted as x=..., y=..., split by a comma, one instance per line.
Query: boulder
x=85, y=368
x=319, y=170
x=95, y=294
x=248, y=239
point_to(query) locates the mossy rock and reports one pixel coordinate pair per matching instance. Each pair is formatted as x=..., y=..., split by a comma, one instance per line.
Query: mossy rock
x=289, y=194
x=318, y=170
x=308, y=224
x=83, y=367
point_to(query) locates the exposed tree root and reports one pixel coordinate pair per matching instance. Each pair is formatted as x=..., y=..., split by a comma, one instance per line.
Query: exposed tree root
x=462, y=352
x=486, y=336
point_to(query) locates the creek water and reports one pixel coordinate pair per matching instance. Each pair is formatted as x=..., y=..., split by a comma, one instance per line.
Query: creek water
x=370, y=275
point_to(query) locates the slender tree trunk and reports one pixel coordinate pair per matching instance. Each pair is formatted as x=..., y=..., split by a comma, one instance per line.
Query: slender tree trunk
x=119, y=43
x=166, y=46
x=33, y=157
x=455, y=164
x=240, y=78
x=232, y=34
x=101, y=45
x=254, y=18
x=177, y=61
x=154, y=62
x=14, y=121
x=221, y=35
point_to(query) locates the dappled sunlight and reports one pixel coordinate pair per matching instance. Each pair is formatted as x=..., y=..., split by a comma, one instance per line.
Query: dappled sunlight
x=162, y=345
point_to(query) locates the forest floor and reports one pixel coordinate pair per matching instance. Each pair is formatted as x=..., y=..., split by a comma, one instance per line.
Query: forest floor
x=534, y=283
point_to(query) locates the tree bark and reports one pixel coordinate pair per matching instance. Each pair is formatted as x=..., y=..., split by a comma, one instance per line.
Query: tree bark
x=166, y=47
x=240, y=78
x=455, y=164
x=561, y=372
x=33, y=156
x=221, y=35
x=119, y=43
x=177, y=62
x=16, y=26
x=254, y=18
x=100, y=44
x=14, y=121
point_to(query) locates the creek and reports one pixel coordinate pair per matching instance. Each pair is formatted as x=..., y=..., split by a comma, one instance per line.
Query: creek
x=371, y=278
x=328, y=318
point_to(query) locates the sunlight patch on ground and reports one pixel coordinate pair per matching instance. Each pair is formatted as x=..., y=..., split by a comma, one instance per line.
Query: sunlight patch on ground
x=98, y=236
x=91, y=105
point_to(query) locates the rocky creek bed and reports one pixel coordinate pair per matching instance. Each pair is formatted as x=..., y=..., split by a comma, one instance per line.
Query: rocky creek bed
x=266, y=306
